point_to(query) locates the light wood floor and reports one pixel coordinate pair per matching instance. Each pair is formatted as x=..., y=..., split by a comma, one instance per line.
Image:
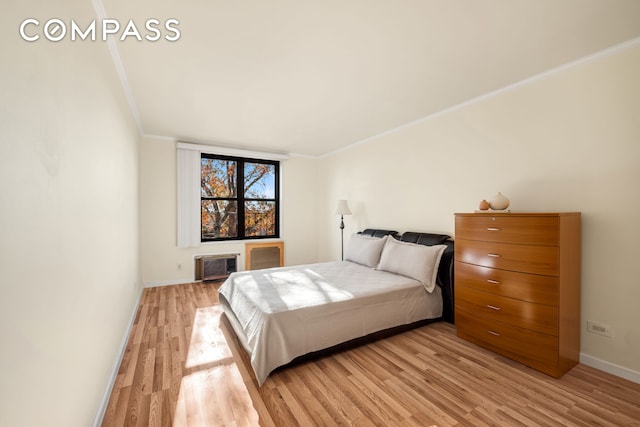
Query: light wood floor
x=183, y=367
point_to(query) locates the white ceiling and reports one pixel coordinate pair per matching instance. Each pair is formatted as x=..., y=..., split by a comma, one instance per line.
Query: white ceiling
x=311, y=77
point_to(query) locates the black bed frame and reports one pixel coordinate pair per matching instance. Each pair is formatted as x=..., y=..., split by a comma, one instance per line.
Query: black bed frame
x=444, y=280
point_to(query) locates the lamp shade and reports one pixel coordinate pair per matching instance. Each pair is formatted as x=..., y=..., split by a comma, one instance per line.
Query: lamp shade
x=343, y=208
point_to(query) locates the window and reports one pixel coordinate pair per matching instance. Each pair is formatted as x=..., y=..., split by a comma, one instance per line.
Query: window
x=217, y=212
x=239, y=198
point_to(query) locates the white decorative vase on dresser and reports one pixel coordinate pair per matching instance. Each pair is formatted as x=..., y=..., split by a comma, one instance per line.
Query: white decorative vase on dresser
x=499, y=202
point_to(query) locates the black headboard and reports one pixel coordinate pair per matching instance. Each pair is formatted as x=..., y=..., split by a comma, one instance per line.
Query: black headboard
x=376, y=232
x=445, y=270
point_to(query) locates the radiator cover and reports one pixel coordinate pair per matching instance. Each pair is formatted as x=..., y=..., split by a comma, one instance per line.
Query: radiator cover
x=264, y=255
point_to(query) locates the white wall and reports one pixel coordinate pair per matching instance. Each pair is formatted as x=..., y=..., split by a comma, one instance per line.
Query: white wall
x=70, y=267
x=566, y=142
x=69, y=222
x=160, y=254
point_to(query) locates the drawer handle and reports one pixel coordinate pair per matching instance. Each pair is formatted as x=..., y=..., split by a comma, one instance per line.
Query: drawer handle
x=493, y=282
x=494, y=333
x=493, y=307
x=494, y=255
x=493, y=229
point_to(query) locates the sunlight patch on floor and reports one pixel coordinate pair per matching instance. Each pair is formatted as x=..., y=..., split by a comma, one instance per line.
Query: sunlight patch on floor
x=207, y=345
x=214, y=397
x=214, y=393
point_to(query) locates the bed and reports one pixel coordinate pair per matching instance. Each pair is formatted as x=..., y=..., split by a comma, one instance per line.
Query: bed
x=387, y=282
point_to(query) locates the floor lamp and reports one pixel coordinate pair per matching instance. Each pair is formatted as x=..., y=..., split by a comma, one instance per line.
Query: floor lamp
x=343, y=209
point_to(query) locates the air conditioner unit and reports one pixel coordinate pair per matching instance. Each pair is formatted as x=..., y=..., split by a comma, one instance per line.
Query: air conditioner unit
x=215, y=267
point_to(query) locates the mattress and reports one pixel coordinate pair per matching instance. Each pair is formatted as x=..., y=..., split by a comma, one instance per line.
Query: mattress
x=281, y=313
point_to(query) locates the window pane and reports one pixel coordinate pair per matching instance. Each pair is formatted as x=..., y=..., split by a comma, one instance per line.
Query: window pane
x=219, y=219
x=218, y=178
x=259, y=219
x=259, y=181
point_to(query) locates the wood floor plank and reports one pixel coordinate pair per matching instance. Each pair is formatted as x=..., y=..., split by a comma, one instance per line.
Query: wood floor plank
x=334, y=382
x=183, y=366
x=155, y=409
x=363, y=398
x=376, y=390
x=421, y=406
x=300, y=414
x=315, y=379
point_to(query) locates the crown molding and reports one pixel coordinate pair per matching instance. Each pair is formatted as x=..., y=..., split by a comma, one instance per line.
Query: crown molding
x=101, y=13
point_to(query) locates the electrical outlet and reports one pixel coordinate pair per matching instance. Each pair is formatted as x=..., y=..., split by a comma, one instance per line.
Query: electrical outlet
x=179, y=267
x=599, y=328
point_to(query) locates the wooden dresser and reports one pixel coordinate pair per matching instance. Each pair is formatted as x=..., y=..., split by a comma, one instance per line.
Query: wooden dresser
x=517, y=286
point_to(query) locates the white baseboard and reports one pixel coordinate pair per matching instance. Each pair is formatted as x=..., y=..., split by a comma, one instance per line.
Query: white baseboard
x=168, y=283
x=116, y=366
x=611, y=368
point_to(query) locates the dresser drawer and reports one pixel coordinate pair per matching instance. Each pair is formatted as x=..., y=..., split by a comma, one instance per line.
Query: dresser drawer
x=537, y=317
x=522, y=258
x=530, y=230
x=534, y=349
x=522, y=286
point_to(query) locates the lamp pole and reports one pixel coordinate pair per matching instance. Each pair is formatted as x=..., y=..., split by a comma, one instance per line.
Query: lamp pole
x=343, y=209
x=342, y=236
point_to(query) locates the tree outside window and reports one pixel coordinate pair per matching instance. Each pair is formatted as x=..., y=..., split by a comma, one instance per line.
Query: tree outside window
x=239, y=198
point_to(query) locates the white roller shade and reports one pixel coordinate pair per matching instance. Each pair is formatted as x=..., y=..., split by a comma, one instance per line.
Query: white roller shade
x=188, y=169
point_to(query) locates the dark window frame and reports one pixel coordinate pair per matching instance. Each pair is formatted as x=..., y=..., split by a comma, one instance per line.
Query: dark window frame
x=240, y=198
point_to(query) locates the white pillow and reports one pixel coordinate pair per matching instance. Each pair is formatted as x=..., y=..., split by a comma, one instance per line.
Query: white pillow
x=412, y=260
x=364, y=250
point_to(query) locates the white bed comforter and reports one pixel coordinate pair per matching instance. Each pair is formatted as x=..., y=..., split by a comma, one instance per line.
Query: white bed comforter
x=282, y=313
